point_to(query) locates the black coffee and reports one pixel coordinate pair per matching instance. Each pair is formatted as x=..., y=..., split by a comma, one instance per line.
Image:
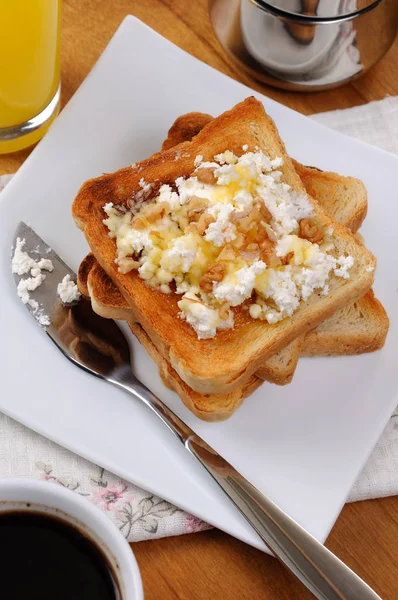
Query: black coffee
x=45, y=558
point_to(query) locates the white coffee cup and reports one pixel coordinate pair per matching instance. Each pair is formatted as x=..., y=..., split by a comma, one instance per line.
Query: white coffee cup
x=54, y=500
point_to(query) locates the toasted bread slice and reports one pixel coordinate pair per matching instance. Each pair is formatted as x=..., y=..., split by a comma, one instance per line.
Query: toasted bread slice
x=280, y=367
x=185, y=128
x=223, y=363
x=106, y=299
x=360, y=327
x=345, y=198
x=208, y=407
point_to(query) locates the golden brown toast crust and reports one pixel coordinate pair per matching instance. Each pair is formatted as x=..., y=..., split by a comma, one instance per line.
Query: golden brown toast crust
x=334, y=339
x=229, y=360
x=83, y=272
x=323, y=184
x=185, y=128
x=209, y=407
x=105, y=297
x=280, y=367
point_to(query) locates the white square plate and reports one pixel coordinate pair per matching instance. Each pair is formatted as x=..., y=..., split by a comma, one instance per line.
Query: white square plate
x=304, y=444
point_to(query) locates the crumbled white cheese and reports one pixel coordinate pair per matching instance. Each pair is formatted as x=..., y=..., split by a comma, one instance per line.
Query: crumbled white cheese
x=22, y=264
x=205, y=320
x=256, y=162
x=166, y=194
x=166, y=289
x=192, y=187
x=287, y=287
x=68, y=291
x=243, y=199
x=255, y=311
x=236, y=288
x=146, y=187
x=33, y=304
x=128, y=239
x=29, y=285
x=164, y=276
x=43, y=319
x=315, y=274
x=370, y=269
x=182, y=287
x=276, y=163
x=180, y=254
x=286, y=206
x=226, y=157
x=126, y=264
x=343, y=264
x=308, y=280
x=38, y=313
x=226, y=174
x=181, y=245
x=147, y=270
x=222, y=230
x=139, y=240
x=46, y=264
x=279, y=287
x=35, y=271
x=143, y=193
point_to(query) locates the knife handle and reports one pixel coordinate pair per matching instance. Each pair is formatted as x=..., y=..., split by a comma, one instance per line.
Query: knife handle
x=327, y=577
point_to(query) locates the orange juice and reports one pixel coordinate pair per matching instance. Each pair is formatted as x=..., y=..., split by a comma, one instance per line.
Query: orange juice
x=29, y=60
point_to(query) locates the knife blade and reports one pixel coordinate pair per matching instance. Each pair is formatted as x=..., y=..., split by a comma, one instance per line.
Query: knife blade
x=44, y=298
x=93, y=343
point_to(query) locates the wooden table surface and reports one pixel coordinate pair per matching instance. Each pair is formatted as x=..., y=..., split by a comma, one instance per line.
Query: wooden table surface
x=211, y=564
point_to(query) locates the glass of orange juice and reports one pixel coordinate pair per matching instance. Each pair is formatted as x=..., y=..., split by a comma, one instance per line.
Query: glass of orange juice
x=29, y=70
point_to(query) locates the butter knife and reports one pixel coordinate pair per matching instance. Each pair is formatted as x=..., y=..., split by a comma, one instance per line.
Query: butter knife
x=99, y=347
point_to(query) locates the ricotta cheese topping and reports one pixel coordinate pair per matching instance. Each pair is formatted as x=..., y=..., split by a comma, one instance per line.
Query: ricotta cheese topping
x=205, y=320
x=23, y=264
x=68, y=291
x=238, y=287
x=233, y=233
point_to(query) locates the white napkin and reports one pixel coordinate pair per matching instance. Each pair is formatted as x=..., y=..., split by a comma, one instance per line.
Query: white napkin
x=138, y=514
x=377, y=124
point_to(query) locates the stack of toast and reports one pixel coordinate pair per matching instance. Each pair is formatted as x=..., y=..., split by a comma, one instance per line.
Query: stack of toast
x=213, y=376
